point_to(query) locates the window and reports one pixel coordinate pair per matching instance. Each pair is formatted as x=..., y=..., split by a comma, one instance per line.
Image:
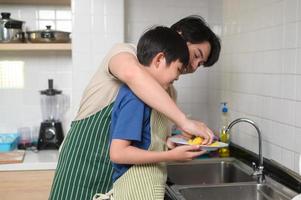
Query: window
x=57, y=19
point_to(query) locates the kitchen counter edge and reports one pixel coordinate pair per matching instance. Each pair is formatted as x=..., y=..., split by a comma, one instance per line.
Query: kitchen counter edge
x=41, y=160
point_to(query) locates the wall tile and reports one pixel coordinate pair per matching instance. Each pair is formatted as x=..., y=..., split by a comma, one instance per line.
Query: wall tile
x=184, y=95
x=80, y=45
x=288, y=158
x=297, y=142
x=98, y=24
x=114, y=7
x=82, y=23
x=288, y=87
x=298, y=68
x=272, y=62
x=298, y=114
x=275, y=153
x=299, y=10
x=291, y=7
x=82, y=7
x=281, y=131
x=289, y=60
x=297, y=168
x=274, y=37
x=98, y=8
x=298, y=87
x=299, y=33
x=290, y=35
x=116, y=27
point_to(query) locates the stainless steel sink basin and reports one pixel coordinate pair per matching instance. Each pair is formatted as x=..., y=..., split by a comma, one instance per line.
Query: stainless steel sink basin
x=209, y=172
x=221, y=179
x=231, y=192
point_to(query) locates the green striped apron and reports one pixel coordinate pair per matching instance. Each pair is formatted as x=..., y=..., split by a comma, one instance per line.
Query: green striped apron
x=147, y=181
x=84, y=166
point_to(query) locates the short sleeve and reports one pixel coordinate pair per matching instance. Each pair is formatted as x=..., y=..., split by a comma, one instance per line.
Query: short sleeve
x=116, y=49
x=129, y=123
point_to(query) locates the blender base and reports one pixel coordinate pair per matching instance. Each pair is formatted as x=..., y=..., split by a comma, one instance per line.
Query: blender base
x=51, y=135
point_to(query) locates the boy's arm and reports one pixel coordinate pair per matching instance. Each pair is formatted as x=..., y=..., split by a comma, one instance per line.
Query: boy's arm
x=122, y=152
x=126, y=68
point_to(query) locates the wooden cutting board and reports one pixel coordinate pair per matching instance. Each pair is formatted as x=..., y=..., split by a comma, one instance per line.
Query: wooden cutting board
x=15, y=156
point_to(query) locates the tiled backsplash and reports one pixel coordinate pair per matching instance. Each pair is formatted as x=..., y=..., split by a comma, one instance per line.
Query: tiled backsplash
x=260, y=77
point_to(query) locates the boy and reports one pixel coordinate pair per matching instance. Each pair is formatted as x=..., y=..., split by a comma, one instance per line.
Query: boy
x=138, y=151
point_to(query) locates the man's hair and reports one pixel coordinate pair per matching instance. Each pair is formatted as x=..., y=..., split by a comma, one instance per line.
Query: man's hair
x=162, y=39
x=195, y=30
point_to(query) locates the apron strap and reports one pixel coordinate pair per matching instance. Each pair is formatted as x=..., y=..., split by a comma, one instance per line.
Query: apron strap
x=106, y=196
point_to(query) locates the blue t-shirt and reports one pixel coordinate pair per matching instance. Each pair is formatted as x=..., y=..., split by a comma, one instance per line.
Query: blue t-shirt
x=130, y=120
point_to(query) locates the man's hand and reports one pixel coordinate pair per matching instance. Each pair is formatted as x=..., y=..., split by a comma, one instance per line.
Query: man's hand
x=197, y=128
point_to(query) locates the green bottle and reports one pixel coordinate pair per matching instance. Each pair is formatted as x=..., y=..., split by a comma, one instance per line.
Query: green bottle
x=224, y=136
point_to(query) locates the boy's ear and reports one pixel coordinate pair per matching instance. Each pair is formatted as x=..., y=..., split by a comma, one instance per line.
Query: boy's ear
x=159, y=59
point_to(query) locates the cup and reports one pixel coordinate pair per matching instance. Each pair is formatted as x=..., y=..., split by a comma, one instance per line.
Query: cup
x=34, y=136
x=25, y=137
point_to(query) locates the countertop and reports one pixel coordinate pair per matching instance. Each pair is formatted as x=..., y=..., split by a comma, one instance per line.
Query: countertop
x=41, y=160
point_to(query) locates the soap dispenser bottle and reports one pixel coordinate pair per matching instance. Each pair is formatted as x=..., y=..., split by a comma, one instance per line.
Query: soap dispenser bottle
x=224, y=136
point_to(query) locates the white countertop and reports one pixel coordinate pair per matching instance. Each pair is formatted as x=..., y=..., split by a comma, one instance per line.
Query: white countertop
x=42, y=160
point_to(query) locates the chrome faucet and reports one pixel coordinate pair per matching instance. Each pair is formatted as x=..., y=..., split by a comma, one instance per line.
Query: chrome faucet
x=258, y=171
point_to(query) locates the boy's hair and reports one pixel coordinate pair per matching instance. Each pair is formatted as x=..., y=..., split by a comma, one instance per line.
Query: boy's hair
x=162, y=39
x=195, y=30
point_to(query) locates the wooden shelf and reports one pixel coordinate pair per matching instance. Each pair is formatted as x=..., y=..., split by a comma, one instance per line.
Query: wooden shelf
x=37, y=2
x=35, y=46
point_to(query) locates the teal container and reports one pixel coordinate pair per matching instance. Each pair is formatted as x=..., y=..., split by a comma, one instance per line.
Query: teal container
x=8, y=141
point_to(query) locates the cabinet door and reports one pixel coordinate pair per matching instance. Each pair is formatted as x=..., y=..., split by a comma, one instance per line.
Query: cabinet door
x=25, y=185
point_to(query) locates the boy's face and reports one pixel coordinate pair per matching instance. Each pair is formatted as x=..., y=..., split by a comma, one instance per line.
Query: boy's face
x=167, y=74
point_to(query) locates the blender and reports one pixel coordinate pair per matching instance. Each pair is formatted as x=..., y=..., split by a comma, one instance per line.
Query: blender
x=53, y=107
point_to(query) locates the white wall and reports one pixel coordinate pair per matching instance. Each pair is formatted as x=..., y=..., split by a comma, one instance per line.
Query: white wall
x=97, y=25
x=260, y=75
x=20, y=107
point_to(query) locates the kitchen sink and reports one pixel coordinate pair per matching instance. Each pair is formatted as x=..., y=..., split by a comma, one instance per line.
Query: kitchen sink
x=215, y=171
x=221, y=179
x=246, y=191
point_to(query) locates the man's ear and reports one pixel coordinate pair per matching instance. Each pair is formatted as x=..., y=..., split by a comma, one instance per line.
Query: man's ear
x=159, y=59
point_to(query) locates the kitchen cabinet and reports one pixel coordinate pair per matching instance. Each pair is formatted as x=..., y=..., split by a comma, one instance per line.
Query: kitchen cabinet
x=25, y=185
x=37, y=2
x=35, y=46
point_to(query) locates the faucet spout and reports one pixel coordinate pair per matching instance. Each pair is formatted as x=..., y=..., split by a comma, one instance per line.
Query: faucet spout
x=259, y=170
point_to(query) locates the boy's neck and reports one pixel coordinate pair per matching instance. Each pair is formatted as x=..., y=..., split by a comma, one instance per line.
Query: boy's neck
x=152, y=70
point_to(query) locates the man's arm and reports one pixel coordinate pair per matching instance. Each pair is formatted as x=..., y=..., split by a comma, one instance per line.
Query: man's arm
x=127, y=69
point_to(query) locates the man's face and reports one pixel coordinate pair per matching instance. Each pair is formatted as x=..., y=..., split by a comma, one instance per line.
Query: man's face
x=198, y=55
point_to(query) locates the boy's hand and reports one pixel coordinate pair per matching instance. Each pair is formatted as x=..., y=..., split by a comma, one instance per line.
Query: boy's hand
x=198, y=128
x=172, y=145
x=185, y=152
